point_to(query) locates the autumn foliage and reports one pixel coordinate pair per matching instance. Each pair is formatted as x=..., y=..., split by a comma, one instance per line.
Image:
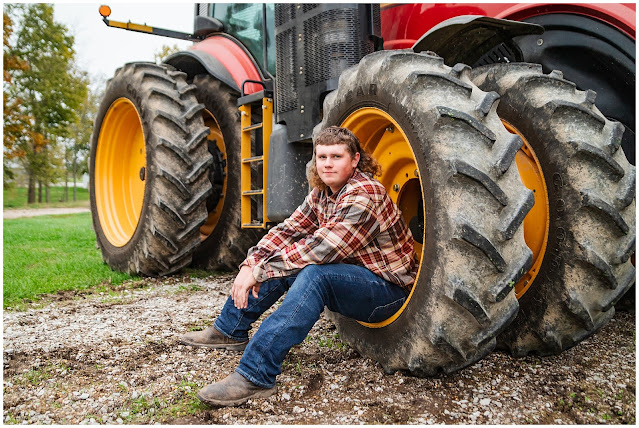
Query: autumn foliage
x=42, y=93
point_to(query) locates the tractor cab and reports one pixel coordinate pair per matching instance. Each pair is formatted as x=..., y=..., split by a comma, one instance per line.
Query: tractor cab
x=250, y=23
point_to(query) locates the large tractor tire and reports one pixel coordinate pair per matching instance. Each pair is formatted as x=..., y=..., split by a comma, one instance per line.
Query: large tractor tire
x=149, y=169
x=448, y=163
x=585, y=193
x=224, y=242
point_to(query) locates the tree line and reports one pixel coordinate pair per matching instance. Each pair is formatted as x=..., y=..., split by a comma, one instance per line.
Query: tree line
x=48, y=105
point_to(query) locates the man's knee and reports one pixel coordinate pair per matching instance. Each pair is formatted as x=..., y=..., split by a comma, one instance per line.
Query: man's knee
x=316, y=274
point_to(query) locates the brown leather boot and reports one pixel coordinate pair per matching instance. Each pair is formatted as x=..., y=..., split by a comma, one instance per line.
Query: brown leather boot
x=233, y=390
x=211, y=338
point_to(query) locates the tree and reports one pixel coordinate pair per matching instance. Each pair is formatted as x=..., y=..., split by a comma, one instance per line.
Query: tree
x=51, y=92
x=164, y=52
x=78, y=144
x=13, y=119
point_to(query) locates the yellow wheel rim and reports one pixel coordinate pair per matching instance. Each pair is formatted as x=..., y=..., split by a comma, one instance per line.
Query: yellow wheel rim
x=216, y=135
x=120, y=172
x=382, y=137
x=537, y=222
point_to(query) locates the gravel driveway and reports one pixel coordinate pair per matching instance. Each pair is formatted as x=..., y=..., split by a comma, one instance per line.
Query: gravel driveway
x=11, y=214
x=110, y=355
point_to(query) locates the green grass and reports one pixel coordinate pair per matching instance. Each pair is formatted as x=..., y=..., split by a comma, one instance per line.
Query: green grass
x=16, y=198
x=183, y=402
x=50, y=253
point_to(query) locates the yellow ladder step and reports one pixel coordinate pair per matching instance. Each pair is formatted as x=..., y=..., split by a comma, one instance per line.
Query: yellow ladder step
x=253, y=225
x=252, y=127
x=253, y=159
x=253, y=192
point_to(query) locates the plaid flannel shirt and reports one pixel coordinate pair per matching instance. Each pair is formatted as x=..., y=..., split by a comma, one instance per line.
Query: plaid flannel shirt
x=359, y=225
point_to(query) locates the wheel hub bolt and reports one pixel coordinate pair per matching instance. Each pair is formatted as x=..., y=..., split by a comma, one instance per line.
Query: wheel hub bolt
x=142, y=173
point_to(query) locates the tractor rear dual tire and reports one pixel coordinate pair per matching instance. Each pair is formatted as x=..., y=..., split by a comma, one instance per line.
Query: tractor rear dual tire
x=474, y=204
x=587, y=263
x=165, y=199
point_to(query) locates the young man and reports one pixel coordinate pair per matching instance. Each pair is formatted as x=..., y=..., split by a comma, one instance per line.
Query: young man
x=346, y=247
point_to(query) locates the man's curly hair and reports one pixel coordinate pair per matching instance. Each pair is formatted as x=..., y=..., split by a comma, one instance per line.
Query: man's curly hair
x=337, y=135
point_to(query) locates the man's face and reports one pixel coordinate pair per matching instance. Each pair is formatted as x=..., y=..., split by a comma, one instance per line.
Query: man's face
x=335, y=165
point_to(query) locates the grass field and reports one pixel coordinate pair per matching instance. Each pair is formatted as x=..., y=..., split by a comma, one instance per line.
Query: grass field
x=50, y=253
x=16, y=198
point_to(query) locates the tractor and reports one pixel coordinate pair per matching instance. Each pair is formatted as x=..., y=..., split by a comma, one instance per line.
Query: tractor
x=505, y=133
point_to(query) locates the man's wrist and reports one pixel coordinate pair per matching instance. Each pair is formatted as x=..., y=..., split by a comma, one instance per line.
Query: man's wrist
x=260, y=272
x=257, y=272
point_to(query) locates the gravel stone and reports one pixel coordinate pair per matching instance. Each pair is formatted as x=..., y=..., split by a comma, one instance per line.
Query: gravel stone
x=113, y=357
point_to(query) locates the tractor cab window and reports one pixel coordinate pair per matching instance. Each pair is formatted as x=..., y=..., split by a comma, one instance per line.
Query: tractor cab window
x=245, y=22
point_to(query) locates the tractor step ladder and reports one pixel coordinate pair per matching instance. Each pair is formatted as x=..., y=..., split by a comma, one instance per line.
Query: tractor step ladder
x=255, y=154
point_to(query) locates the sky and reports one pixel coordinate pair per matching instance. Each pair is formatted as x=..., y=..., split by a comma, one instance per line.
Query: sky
x=100, y=50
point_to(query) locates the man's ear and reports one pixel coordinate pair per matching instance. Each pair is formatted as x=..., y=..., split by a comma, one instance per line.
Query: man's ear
x=356, y=159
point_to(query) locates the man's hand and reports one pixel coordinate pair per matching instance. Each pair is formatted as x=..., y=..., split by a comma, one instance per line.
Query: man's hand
x=244, y=282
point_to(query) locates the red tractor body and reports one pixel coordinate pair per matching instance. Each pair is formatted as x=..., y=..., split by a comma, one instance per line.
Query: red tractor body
x=403, y=25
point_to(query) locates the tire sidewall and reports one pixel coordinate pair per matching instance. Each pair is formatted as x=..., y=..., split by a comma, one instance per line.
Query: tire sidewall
x=122, y=86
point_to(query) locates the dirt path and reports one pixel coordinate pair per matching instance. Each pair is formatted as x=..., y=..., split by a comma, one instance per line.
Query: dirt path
x=112, y=357
x=11, y=214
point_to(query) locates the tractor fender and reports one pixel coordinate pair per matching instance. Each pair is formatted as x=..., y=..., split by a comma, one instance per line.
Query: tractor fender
x=222, y=57
x=465, y=38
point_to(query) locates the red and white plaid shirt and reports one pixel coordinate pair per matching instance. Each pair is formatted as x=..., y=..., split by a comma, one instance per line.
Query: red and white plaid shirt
x=359, y=225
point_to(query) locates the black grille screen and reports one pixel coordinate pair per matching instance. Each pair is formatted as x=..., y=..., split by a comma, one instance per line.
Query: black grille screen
x=315, y=43
x=285, y=66
x=309, y=6
x=377, y=19
x=332, y=44
x=284, y=13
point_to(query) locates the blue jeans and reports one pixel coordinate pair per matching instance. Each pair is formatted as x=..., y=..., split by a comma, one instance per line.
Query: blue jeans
x=350, y=290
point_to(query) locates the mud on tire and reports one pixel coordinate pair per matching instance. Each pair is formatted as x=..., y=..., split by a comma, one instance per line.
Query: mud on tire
x=176, y=182
x=591, y=188
x=474, y=203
